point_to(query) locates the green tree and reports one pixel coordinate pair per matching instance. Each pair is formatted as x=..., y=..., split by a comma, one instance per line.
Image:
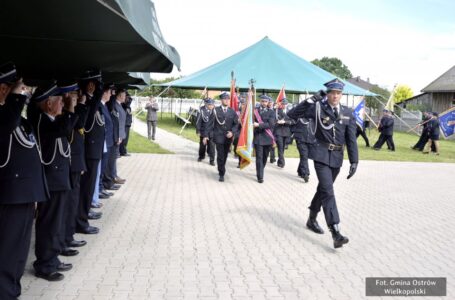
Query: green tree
x=333, y=65
x=402, y=92
x=372, y=102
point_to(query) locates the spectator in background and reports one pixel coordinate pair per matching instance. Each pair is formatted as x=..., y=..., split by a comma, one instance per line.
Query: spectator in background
x=152, y=118
x=129, y=120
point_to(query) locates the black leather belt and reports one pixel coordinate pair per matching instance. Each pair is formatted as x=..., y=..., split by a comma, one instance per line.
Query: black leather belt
x=333, y=147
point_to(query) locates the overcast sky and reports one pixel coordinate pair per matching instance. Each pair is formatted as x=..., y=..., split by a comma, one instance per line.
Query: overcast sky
x=401, y=41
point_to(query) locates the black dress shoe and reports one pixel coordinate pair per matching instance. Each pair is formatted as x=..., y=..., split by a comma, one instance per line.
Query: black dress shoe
x=88, y=230
x=109, y=194
x=62, y=267
x=338, y=239
x=212, y=163
x=54, y=276
x=261, y=180
x=94, y=216
x=103, y=196
x=76, y=244
x=113, y=187
x=313, y=224
x=306, y=178
x=272, y=161
x=199, y=159
x=221, y=179
x=69, y=252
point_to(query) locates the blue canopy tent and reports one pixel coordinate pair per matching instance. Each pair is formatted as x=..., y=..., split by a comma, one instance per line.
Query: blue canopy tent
x=270, y=65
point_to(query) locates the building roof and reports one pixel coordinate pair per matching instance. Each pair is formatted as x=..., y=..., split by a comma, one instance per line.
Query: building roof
x=444, y=83
x=364, y=84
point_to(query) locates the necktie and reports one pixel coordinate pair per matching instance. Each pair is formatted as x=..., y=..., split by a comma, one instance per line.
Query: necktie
x=335, y=112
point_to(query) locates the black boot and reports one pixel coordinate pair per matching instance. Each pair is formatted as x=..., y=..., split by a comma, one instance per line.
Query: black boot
x=338, y=239
x=312, y=224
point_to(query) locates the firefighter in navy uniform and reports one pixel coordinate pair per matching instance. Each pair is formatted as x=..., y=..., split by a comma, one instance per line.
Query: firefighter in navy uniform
x=263, y=136
x=304, y=138
x=224, y=127
x=282, y=130
x=53, y=126
x=78, y=167
x=204, y=123
x=335, y=129
x=94, y=144
x=22, y=182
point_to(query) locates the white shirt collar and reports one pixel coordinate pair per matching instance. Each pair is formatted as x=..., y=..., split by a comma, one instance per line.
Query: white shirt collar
x=50, y=117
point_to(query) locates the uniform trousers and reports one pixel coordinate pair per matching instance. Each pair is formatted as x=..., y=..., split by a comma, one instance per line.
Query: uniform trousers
x=71, y=211
x=209, y=148
x=385, y=138
x=222, y=151
x=325, y=195
x=16, y=222
x=88, y=182
x=280, y=143
x=49, y=228
x=262, y=153
x=303, y=168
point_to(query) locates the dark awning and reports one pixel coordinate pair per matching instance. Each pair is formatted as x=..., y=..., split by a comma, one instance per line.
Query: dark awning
x=63, y=38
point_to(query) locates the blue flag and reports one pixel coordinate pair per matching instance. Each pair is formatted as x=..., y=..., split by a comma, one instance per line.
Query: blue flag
x=359, y=113
x=447, y=122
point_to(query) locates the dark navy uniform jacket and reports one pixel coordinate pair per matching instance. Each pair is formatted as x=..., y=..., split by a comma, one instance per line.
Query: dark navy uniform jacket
x=222, y=123
x=343, y=133
x=112, y=123
x=302, y=130
x=282, y=129
x=77, y=140
x=58, y=172
x=386, y=125
x=22, y=178
x=260, y=135
x=433, y=129
x=94, y=131
x=204, y=122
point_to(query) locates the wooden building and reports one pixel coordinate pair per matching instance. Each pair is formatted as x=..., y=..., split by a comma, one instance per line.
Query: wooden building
x=438, y=96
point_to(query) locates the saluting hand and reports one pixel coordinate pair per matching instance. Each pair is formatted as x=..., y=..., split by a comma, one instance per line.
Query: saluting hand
x=256, y=124
x=352, y=170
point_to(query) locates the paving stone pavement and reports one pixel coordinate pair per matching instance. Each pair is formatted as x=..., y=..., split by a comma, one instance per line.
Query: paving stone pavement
x=174, y=232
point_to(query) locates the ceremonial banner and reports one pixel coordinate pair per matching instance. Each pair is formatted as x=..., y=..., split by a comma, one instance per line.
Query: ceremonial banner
x=245, y=144
x=234, y=103
x=447, y=122
x=359, y=113
x=281, y=96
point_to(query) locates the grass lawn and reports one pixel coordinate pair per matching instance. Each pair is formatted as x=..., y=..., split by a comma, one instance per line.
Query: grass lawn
x=167, y=122
x=403, y=144
x=403, y=151
x=139, y=144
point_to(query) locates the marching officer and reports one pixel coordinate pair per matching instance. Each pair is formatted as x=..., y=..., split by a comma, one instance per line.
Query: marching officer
x=204, y=123
x=263, y=136
x=224, y=127
x=282, y=130
x=22, y=182
x=53, y=126
x=336, y=128
x=386, y=129
x=304, y=137
x=271, y=106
